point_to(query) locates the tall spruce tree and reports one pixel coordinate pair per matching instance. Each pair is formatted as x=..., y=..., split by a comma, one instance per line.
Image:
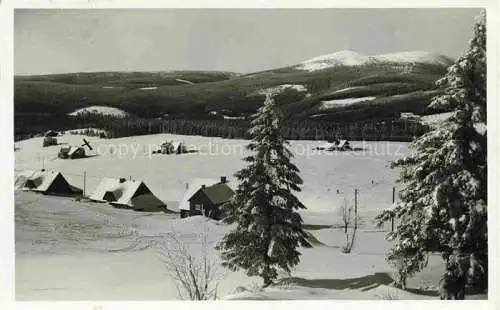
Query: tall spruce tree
x=268, y=229
x=443, y=204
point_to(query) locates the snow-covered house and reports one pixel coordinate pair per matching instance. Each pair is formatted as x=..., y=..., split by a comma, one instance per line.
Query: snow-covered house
x=51, y=133
x=129, y=194
x=205, y=197
x=336, y=145
x=48, y=141
x=45, y=182
x=173, y=147
x=342, y=145
x=71, y=152
x=50, y=138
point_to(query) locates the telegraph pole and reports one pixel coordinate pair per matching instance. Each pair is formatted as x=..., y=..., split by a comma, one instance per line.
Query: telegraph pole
x=84, y=181
x=393, y=201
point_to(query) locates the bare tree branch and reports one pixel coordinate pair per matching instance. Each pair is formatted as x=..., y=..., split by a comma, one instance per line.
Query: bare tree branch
x=196, y=277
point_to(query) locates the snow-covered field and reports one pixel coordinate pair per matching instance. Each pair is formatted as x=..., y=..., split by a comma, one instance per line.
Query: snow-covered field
x=73, y=250
x=323, y=172
x=327, y=104
x=184, y=81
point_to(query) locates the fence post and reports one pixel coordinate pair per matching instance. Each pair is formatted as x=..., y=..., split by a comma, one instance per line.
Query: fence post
x=393, y=201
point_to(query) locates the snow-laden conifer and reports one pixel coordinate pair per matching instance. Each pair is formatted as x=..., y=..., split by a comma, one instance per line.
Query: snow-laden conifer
x=264, y=208
x=443, y=202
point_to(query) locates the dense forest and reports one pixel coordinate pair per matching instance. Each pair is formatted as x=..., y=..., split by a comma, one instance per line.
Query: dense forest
x=218, y=103
x=387, y=129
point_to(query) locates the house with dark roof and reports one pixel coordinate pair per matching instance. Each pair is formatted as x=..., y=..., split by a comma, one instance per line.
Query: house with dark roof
x=207, y=200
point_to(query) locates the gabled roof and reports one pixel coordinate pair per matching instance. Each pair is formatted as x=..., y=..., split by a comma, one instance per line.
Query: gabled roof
x=105, y=185
x=73, y=149
x=44, y=179
x=328, y=146
x=177, y=144
x=51, y=133
x=123, y=192
x=218, y=193
x=40, y=181
x=342, y=143
x=127, y=190
x=192, y=188
x=130, y=193
x=36, y=180
x=22, y=177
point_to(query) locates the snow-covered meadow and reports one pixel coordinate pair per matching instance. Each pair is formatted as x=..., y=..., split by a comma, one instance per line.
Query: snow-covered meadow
x=103, y=110
x=67, y=249
x=323, y=172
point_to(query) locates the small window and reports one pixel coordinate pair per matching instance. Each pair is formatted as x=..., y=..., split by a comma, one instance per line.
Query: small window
x=197, y=207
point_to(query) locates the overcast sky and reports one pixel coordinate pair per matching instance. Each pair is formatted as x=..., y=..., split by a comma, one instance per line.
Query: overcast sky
x=240, y=40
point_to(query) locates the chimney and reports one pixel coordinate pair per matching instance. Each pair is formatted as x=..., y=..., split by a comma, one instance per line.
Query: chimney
x=203, y=186
x=122, y=180
x=223, y=179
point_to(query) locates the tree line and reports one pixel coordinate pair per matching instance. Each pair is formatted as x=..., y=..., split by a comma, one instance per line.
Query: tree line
x=294, y=129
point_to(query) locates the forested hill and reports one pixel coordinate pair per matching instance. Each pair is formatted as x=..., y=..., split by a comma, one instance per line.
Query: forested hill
x=342, y=87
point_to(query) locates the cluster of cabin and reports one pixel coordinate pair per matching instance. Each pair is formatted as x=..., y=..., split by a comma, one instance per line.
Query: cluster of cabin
x=65, y=152
x=202, y=196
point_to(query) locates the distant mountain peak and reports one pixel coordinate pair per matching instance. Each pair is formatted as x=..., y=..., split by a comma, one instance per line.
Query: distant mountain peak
x=351, y=58
x=341, y=57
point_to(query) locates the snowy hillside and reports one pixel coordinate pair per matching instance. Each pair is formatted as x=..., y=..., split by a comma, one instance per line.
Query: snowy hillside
x=350, y=58
x=414, y=57
x=281, y=88
x=343, y=102
x=101, y=110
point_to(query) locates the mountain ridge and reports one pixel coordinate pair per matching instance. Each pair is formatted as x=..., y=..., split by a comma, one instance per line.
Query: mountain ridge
x=397, y=84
